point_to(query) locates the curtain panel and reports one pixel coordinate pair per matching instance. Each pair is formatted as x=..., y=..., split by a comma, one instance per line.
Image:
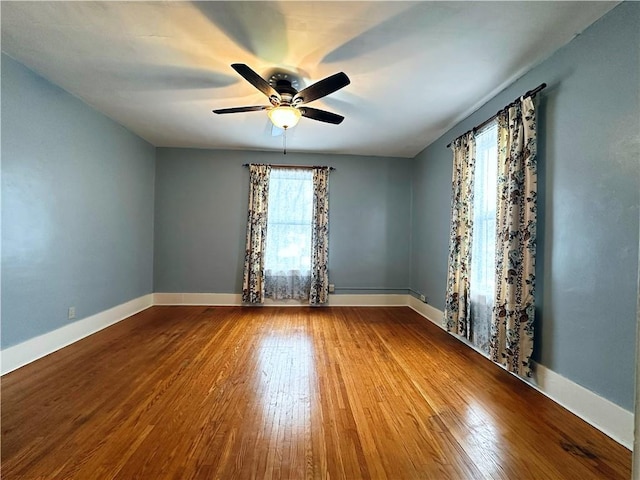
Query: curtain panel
x=289, y=285
x=457, y=303
x=511, y=342
x=253, y=276
x=319, y=288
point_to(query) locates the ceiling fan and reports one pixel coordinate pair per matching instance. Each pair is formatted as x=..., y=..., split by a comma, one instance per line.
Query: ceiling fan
x=287, y=103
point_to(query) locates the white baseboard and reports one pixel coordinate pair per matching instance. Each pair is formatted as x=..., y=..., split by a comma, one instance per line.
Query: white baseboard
x=606, y=416
x=429, y=312
x=611, y=419
x=226, y=299
x=30, y=350
x=368, y=300
x=213, y=299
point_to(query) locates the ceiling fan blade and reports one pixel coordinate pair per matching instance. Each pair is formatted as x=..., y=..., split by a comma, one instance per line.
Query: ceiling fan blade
x=321, y=115
x=322, y=88
x=241, y=109
x=257, y=81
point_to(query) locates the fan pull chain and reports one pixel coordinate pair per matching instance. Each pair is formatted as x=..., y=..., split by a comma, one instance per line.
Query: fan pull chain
x=284, y=141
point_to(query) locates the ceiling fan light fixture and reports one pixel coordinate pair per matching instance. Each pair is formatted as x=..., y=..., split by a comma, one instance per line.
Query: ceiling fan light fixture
x=284, y=116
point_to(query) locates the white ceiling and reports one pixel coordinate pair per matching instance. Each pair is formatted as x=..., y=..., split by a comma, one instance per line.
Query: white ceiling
x=416, y=68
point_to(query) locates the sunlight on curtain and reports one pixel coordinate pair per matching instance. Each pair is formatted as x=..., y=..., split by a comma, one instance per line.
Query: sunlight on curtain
x=288, y=245
x=482, y=270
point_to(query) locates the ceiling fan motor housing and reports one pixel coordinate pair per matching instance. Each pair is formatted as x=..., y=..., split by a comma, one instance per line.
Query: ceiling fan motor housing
x=286, y=91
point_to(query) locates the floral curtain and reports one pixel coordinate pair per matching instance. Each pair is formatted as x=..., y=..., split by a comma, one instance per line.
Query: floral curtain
x=511, y=342
x=319, y=292
x=457, y=304
x=253, y=277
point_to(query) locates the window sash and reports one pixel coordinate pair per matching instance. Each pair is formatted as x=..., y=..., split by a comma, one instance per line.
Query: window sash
x=289, y=221
x=483, y=247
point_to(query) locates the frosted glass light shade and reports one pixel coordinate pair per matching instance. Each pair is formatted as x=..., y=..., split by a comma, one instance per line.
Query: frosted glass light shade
x=284, y=117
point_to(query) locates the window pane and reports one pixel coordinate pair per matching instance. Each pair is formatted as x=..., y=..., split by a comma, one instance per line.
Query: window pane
x=288, y=245
x=482, y=270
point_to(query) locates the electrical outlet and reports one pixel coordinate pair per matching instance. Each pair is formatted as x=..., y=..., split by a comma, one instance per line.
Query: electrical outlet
x=332, y=288
x=72, y=313
x=423, y=298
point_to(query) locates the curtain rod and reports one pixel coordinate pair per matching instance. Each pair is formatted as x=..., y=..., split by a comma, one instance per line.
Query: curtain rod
x=530, y=93
x=290, y=166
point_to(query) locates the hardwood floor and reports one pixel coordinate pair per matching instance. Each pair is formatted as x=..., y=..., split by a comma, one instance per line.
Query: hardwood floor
x=235, y=393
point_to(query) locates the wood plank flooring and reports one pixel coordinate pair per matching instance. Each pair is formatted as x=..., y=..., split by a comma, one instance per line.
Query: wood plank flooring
x=287, y=393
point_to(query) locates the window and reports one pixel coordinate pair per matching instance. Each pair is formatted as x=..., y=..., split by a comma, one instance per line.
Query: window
x=482, y=268
x=289, y=228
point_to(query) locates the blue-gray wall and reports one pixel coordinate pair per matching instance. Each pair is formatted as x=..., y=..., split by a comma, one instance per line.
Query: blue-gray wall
x=200, y=219
x=77, y=208
x=589, y=180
